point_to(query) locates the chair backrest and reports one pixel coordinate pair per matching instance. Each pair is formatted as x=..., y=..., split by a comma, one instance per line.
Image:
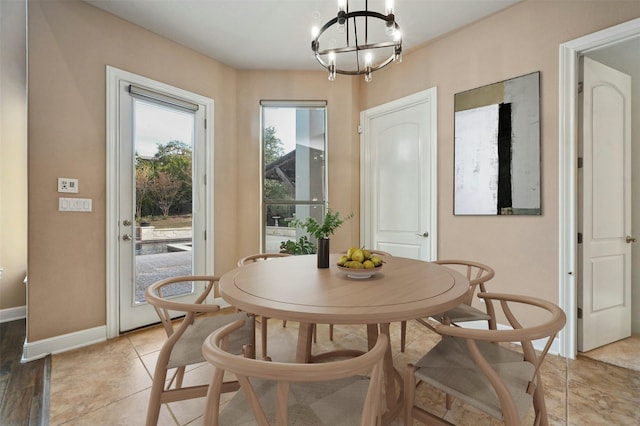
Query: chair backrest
x=477, y=274
x=156, y=294
x=546, y=328
x=183, y=346
x=283, y=374
x=260, y=257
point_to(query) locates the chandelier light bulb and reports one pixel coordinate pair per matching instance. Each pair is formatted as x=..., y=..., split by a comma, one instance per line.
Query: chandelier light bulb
x=332, y=72
x=315, y=31
x=388, y=7
x=342, y=5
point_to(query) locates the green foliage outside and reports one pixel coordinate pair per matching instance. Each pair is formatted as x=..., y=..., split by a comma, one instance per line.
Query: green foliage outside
x=163, y=183
x=275, y=189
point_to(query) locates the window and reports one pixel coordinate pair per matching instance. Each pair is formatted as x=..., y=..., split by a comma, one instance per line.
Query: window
x=294, y=170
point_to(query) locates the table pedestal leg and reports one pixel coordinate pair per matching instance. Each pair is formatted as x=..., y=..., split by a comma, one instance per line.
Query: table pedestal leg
x=305, y=335
x=393, y=387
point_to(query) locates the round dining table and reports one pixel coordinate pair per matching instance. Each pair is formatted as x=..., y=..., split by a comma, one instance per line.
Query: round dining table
x=293, y=288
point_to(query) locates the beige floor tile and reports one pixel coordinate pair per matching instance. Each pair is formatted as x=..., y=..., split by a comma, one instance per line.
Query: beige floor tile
x=108, y=383
x=124, y=412
x=147, y=340
x=92, y=383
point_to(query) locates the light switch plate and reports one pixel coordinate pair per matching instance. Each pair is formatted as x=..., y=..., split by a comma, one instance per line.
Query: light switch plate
x=68, y=185
x=74, y=204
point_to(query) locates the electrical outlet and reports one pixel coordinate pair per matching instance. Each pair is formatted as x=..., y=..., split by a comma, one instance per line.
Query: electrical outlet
x=68, y=185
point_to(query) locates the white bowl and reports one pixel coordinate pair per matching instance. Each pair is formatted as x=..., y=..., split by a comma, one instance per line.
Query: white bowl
x=359, y=274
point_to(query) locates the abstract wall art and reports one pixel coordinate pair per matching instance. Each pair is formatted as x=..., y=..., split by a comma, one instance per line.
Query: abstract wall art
x=497, y=148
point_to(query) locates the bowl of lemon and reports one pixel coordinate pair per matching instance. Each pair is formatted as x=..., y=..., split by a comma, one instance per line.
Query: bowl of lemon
x=359, y=263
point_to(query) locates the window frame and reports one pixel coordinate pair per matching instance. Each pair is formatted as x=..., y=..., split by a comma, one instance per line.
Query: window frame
x=323, y=203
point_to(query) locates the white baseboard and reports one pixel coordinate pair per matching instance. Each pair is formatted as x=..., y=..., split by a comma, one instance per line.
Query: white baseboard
x=66, y=342
x=12, y=314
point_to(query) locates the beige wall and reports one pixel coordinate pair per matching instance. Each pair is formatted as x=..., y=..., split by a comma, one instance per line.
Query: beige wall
x=13, y=154
x=72, y=42
x=519, y=40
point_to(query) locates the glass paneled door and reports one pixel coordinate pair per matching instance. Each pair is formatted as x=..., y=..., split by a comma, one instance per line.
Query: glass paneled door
x=162, y=209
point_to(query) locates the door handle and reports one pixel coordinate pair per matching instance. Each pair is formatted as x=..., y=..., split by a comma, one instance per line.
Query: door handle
x=424, y=235
x=126, y=222
x=127, y=237
x=630, y=239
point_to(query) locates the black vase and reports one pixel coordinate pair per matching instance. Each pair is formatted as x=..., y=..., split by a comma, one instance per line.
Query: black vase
x=323, y=253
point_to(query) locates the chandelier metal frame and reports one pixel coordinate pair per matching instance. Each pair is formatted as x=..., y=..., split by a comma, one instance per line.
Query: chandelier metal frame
x=343, y=18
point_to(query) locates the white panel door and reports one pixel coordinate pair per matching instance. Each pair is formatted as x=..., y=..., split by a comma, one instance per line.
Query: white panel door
x=604, y=296
x=398, y=177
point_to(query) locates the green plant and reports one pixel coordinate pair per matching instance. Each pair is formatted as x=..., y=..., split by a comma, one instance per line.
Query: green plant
x=330, y=223
x=302, y=246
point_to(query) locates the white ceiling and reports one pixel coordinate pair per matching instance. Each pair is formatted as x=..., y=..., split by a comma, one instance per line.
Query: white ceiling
x=276, y=34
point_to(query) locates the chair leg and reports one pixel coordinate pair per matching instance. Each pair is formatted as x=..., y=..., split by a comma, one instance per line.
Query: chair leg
x=284, y=323
x=448, y=401
x=157, y=388
x=403, y=335
x=331, y=332
x=179, y=377
x=263, y=332
x=409, y=393
x=539, y=404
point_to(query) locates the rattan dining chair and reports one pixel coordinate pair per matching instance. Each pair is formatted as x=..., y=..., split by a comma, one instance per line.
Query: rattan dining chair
x=478, y=274
x=260, y=257
x=183, y=346
x=327, y=393
x=476, y=367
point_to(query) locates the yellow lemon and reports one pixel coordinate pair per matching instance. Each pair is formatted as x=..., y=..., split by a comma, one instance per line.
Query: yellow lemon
x=350, y=251
x=358, y=256
x=368, y=264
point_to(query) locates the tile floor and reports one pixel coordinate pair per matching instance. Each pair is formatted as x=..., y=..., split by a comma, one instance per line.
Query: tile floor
x=109, y=383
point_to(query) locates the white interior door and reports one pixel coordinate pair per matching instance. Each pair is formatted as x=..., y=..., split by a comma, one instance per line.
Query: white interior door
x=159, y=209
x=398, y=177
x=604, y=291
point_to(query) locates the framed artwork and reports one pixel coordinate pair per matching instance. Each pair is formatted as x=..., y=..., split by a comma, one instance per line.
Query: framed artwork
x=497, y=148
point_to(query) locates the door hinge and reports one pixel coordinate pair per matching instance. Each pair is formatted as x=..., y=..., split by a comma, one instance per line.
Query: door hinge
x=579, y=237
x=359, y=129
x=580, y=87
x=580, y=162
x=579, y=313
x=205, y=235
x=205, y=123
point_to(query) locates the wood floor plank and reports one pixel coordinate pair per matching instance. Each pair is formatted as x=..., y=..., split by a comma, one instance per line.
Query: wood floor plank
x=24, y=387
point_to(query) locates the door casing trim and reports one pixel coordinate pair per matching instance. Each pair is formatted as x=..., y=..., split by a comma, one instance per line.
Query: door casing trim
x=568, y=141
x=113, y=78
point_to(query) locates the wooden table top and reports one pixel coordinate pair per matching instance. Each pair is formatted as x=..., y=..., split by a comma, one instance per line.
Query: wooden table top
x=293, y=288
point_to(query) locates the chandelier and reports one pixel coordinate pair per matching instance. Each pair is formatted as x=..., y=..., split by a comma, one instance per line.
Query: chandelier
x=358, y=42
